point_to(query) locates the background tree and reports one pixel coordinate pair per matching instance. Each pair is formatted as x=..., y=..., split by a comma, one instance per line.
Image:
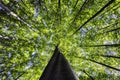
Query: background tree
x=88, y=32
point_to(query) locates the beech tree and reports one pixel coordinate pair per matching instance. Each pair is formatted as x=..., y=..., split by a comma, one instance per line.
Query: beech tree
x=88, y=33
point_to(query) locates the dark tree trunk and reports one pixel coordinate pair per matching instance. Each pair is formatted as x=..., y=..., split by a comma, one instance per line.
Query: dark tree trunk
x=58, y=68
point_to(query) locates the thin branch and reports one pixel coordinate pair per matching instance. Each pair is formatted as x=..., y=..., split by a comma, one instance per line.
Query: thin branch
x=105, y=45
x=104, y=64
x=105, y=56
x=113, y=24
x=110, y=56
x=105, y=28
x=100, y=63
x=88, y=75
x=112, y=30
x=24, y=3
x=102, y=9
x=19, y=76
x=59, y=4
x=76, y=4
x=80, y=10
x=10, y=38
x=6, y=38
x=112, y=8
x=9, y=12
x=59, y=10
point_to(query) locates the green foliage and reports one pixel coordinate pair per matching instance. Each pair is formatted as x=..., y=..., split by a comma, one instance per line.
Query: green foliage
x=30, y=29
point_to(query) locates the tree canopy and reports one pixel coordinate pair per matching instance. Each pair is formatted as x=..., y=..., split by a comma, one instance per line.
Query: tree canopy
x=87, y=31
